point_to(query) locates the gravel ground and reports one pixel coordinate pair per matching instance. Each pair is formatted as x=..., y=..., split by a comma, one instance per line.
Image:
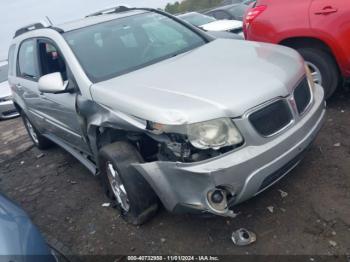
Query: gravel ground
x=64, y=200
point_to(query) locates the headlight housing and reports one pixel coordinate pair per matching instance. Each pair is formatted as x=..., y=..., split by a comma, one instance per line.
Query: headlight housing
x=213, y=134
x=309, y=77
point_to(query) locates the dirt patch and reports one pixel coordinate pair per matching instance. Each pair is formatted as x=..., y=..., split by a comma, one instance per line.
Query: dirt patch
x=13, y=139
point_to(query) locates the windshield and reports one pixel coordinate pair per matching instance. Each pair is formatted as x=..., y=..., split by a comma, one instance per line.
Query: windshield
x=197, y=19
x=3, y=73
x=116, y=47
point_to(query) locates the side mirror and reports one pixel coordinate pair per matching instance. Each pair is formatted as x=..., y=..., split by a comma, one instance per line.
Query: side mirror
x=52, y=83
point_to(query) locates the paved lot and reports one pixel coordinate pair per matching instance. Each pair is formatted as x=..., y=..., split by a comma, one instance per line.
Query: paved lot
x=64, y=200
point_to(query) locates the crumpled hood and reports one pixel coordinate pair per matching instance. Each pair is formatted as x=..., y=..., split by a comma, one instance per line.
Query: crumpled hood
x=5, y=89
x=222, y=25
x=223, y=78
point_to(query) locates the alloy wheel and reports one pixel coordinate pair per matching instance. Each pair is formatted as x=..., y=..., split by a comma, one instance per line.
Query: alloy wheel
x=32, y=132
x=315, y=72
x=118, y=187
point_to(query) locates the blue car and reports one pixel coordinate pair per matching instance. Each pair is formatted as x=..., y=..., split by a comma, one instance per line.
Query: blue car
x=20, y=240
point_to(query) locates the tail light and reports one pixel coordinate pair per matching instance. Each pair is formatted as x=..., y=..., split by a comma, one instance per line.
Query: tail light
x=253, y=13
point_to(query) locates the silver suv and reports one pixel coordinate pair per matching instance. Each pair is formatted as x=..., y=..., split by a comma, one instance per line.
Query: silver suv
x=164, y=113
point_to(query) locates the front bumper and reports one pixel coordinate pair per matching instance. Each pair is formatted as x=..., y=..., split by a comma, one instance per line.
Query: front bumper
x=7, y=110
x=244, y=172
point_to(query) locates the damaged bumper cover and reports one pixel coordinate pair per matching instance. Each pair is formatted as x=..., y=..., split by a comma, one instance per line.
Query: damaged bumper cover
x=243, y=173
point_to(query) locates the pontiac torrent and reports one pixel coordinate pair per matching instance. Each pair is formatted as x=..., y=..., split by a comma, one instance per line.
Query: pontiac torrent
x=162, y=112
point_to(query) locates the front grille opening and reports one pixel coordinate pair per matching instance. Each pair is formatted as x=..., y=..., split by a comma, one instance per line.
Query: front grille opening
x=302, y=96
x=272, y=118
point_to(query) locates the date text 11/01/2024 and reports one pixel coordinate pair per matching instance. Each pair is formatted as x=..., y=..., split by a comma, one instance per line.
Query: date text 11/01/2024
x=173, y=258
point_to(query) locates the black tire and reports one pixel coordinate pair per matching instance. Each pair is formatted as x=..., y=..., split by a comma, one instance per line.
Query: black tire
x=40, y=141
x=327, y=67
x=143, y=202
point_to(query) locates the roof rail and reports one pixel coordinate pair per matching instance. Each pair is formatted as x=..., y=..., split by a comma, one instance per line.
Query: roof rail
x=35, y=26
x=29, y=28
x=112, y=10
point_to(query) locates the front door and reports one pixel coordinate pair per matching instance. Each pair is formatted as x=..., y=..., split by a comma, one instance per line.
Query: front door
x=60, y=109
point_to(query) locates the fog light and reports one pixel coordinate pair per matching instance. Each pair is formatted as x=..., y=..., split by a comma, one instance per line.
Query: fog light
x=217, y=197
x=217, y=200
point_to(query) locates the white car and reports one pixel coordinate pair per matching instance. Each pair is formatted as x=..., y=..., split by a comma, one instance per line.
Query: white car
x=7, y=109
x=208, y=23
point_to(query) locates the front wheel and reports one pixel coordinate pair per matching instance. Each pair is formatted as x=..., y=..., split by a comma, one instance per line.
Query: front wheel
x=130, y=192
x=323, y=69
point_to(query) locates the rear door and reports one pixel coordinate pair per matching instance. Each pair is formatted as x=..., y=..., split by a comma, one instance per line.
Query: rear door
x=332, y=19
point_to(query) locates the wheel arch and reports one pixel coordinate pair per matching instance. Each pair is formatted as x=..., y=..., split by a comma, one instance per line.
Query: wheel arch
x=146, y=146
x=310, y=42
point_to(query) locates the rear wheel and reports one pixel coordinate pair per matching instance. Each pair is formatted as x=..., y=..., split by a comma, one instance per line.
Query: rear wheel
x=323, y=69
x=130, y=192
x=39, y=140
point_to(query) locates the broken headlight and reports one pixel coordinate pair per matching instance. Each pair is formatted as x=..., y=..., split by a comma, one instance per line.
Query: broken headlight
x=213, y=134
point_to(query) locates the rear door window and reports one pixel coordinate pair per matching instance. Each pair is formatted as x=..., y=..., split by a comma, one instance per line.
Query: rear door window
x=27, y=63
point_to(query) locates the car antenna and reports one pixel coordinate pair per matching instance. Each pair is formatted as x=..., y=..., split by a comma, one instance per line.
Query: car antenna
x=49, y=20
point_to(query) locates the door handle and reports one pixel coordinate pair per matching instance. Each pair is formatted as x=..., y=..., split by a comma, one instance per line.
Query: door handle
x=326, y=11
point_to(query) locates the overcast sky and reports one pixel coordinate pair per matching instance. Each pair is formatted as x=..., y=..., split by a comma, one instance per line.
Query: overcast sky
x=17, y=13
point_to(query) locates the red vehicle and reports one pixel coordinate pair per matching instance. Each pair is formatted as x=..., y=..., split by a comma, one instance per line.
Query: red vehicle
x=318, y=29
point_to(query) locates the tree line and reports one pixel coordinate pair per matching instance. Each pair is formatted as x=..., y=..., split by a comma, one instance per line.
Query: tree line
x=191, y=5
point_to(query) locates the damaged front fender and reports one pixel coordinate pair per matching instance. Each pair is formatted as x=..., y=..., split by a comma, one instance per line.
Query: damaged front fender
x=179, y=189
x=95, y=117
